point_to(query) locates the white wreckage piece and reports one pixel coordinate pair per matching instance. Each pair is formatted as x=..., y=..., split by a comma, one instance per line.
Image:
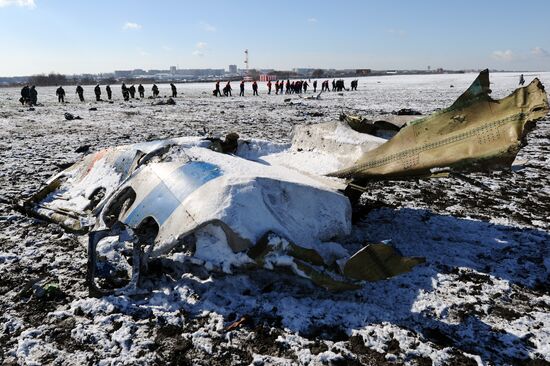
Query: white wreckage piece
x=268, y=199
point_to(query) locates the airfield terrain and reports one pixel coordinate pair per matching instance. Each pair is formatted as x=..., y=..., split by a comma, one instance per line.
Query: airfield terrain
x=483, y=296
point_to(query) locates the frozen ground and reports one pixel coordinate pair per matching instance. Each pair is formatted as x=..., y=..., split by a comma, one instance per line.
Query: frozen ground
x=483, y=296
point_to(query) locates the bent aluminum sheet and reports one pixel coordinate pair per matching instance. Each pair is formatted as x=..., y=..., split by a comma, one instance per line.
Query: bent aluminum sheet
x=477, y=133
x=67, y=197
x=182, y=198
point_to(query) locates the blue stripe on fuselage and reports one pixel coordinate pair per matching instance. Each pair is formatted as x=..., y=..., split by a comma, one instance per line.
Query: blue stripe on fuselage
x=163, y=200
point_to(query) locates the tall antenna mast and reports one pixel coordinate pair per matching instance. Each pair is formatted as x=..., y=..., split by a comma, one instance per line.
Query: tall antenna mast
x=246, y=60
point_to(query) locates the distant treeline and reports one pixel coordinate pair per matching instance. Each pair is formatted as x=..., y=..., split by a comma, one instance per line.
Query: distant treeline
x=47, y=80
x=54, y=79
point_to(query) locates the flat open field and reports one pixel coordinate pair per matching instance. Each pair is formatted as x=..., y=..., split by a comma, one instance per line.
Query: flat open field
x=483, y=296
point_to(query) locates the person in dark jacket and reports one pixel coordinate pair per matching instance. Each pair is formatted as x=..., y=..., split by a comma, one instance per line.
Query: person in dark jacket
x=80, y=92
x=132, y=91
x=109, y=92
x=174, y=90
x=141, y=91
x=241, y=86
x=269, y=87
x=25, y=95
x=125, y=92
x=155, y=90
x=60, y=92
x=33, y=94
x=315, y=86
x=521, y=80
x=254, y=88
x=227, y=89
x=97, y=91
x=217, y=92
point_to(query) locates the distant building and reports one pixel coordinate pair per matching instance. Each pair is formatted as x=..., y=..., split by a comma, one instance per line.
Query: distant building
x=303, y=71
x=200, y=72
x=268, y=77
x=232, y=69
x=173, y=70
x=123, y=73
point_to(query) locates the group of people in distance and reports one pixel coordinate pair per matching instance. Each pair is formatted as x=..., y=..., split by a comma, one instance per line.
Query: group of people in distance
x=29, y=95
x=288, y=87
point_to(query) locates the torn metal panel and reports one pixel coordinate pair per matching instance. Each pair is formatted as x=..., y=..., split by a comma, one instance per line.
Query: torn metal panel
x=335, y=138
x=70, y=197
x=70, y=204
x=182, y=198
x=374, y=262
x=384, y=126
x=477, y=133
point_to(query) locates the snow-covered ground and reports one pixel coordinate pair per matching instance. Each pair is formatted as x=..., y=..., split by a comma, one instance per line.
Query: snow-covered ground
x=483, y=296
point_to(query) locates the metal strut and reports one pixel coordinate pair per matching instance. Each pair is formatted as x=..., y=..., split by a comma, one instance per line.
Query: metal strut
x=95, y=237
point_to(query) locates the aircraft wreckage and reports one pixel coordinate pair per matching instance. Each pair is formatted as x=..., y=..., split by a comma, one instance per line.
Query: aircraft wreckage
x=269, y=205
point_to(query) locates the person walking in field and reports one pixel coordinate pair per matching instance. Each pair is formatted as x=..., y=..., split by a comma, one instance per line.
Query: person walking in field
x=241, y=94
x=174, y=90
x=132, y=91
x=269, y=87
x=155, y=90
x=315, y=86
x=217, y=92
x=60, y=92
x=227, y=89
x=521, y=80
x=254, y=88
x=97, y=91
x=125, y=92
x=80, y=92
x=141, y=91
x=109, y=92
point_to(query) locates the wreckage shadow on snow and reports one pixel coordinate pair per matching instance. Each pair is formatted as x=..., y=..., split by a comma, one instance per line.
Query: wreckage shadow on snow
x=511, y=253
x=475, y=252
x=447, y=242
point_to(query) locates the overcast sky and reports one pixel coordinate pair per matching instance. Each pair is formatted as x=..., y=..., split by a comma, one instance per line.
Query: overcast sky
x=40, y=36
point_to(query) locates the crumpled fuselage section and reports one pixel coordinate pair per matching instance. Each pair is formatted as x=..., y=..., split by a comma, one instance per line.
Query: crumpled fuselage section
x=476, y=133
